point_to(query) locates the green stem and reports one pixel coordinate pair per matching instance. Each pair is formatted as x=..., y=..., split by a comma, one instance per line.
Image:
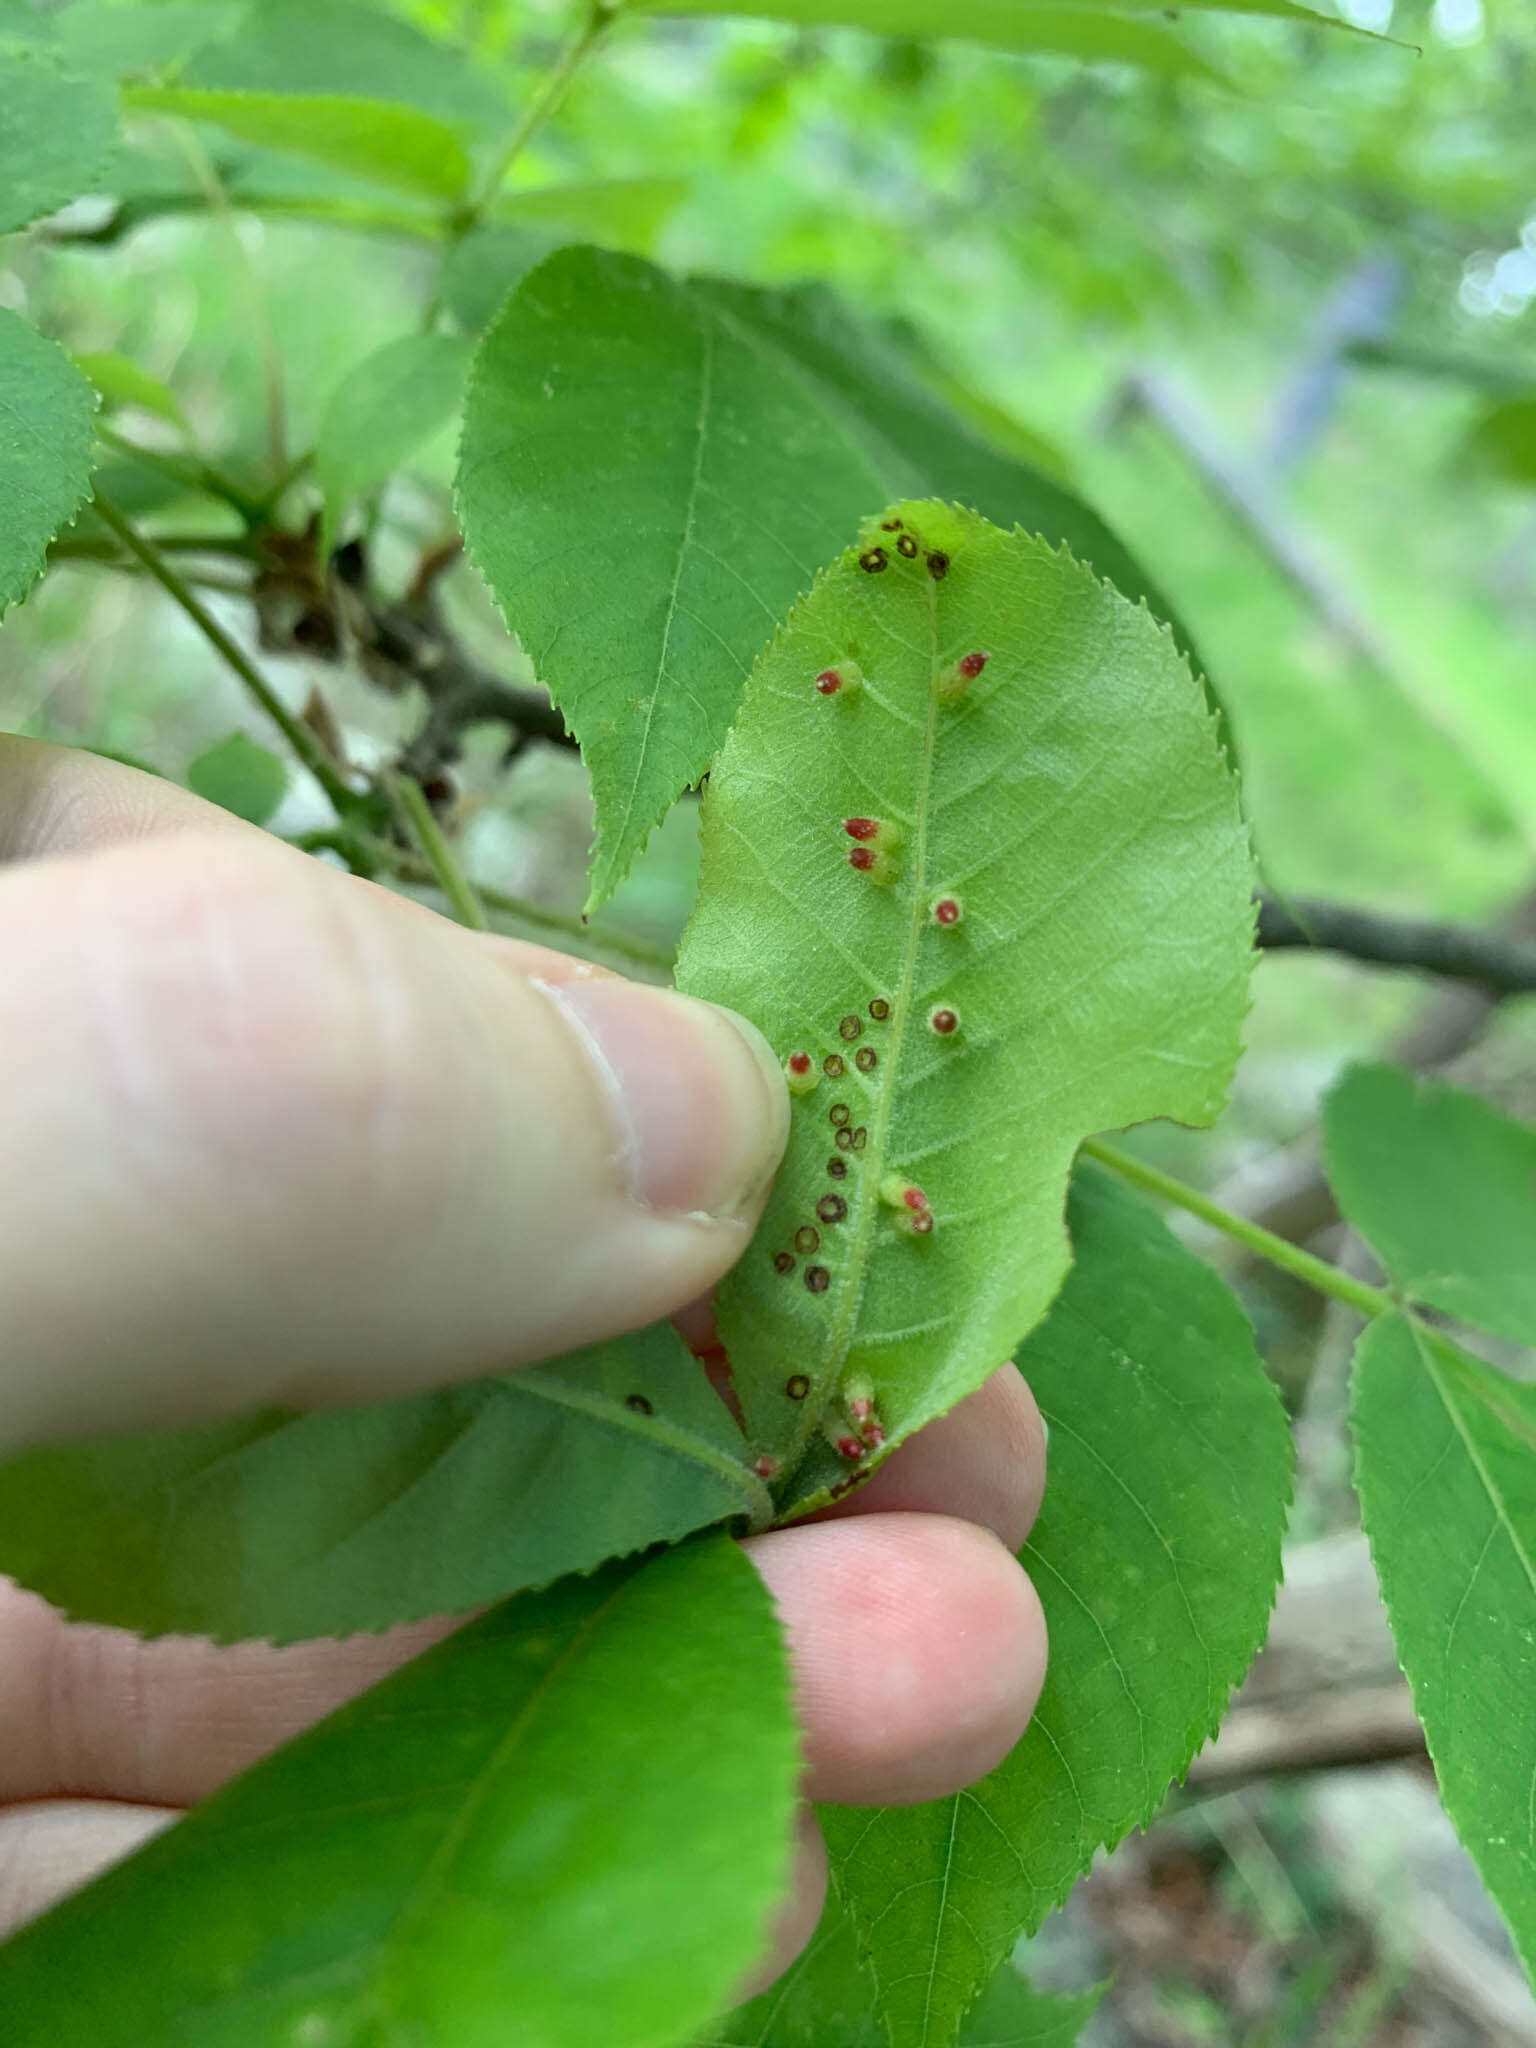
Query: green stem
x=376, y=854
x=89, y=550
x=198, y=476
x=406, y=793
x=1290, y=1258
x=539, y=109
x=298, y=735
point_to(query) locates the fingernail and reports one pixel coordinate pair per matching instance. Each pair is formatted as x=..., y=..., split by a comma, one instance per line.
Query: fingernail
x=700, y=1108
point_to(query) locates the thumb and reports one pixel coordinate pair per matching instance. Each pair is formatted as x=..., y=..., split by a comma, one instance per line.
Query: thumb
x=276, y=1138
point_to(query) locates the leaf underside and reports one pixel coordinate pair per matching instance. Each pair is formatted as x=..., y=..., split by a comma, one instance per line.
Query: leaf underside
x=351, y=1519
x=565, y=1825
x=651, y=473
x=1076, y=806
x=1156, y=1559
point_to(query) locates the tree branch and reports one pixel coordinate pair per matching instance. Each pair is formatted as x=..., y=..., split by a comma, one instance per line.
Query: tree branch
x=1459, y=953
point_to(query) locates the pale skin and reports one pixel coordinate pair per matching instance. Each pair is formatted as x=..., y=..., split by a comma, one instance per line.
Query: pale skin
x=273, y=1135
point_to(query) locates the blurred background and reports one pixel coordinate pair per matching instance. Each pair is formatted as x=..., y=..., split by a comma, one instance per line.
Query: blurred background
x=1268, y=300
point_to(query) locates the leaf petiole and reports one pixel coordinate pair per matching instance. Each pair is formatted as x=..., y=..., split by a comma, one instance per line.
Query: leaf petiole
x=1290, y=1258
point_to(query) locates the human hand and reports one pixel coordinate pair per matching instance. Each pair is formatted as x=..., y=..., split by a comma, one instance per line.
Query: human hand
x=277, y=1137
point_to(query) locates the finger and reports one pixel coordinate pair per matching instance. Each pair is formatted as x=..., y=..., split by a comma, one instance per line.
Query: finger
x=281, y=1144
x=918, y=1647
x=54, y=1846
x=97, y=1711
x=984, y=1462
x=57, y=800
x=917, y=1643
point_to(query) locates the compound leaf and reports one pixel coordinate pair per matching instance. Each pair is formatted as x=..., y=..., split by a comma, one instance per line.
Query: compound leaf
x=287, y=1526
x=1444, y=1186
x=567, y=1824
x=652, y=471
x=1445, y=1466
x=47, y=415
x=55, y=131
x=393, y=145
x=1071, y=810
x=385, y=409
x=1156, y=1557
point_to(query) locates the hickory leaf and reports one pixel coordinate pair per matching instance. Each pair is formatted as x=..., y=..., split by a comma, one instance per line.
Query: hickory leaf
x=1156, y=1558
x=652, y=471
x=1073, y=804
x=565, y=1825
x=288, y=1526
x=1444, y=1186
x=47, y=431
x=1445, y=1466
x=55, y=129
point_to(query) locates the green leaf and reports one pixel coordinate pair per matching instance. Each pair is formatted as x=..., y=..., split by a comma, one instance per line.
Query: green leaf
x=616, y=213
x=382, y=413
x=1006, y=24
x=566, y=1825
x=122, y=382
x=1444, y=1186
x=825, y=1998
x=359, y=51
x=240, y=776
x=1075, y=805
x=47, y=434
x=136, y=41
x=1156, y=1557
x=1013, y=2014
x=1096, y=34
x=652, y=471
x=394, y=145
x=1502, y=441
x=55, y=132
x=284, y=1526
x=1445, y=1465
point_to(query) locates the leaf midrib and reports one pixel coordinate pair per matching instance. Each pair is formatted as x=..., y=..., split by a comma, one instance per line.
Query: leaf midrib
x=867, y=1202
